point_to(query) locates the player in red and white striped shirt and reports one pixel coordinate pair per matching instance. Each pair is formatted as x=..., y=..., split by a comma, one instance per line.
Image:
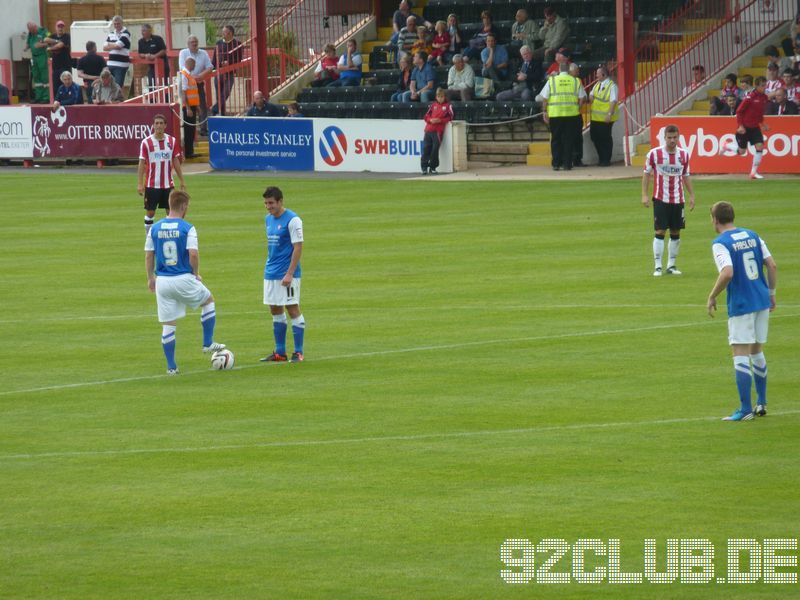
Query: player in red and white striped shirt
x=671, y=167
x=158, y=155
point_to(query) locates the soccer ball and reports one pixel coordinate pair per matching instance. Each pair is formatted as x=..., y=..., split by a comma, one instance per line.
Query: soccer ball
x=222, y=360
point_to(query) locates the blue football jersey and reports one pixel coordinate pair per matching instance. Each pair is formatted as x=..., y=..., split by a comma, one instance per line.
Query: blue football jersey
x=169, y=238
x=279, y=246
x=748, y=291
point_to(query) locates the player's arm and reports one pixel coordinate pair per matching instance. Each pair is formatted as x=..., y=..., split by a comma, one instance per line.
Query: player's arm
x=687, y=183
x=176, y=164
x=140, y=174
x=772, y=279
x=646, y=189
x=723, y=279
x=150, y=269
x=297, y=252
x=194, y=261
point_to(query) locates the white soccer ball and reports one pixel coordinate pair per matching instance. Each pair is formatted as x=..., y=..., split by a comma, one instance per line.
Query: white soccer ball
x=222, y=360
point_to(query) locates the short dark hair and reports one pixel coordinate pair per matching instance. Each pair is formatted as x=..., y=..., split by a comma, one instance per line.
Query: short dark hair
x=178, y=199
x=748, y=79
x=770, y=51
x=732, y=77
x=233, y=31
x=549, y=11
x=90, y=45
x=273, y=192
x=760, y=81
x=423, y=54
x=722, y=212
x=671, y=129
x=159, y=116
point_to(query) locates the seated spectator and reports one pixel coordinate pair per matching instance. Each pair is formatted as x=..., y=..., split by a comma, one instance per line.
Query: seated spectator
x=478, y=41
x=404, y=81
x=771, y=52
x=68, y=93
x=523, y=33
x=792, y=86
x=725, y=107
x=407, y=38
x=400, y=19
x=698, y=78
x=460, y=80
x=89, y=67
x=780, y=105
x=105, y=90
x=349, y=66
x=293, y=110
x=262, y=108
x=440, y=44
x=526, y=82
x=495, y=60
x=326, y=70
x=746, y=86
x=422, y=44
x=563, y=56
x=454, y=31
x=553, y=33
x=717, y=103
x=773, y=81
x=5, y=97
x=423, y=78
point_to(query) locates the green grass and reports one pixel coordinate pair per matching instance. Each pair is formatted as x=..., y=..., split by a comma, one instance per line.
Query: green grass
x=484, y=361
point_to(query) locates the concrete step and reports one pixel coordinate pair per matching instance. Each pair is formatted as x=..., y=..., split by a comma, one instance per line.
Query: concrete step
x=518, y=159
x=542, y=147
x=642, y=149
x=536, y=160
x=638, y=160
x=701, y=105
x=367, y=47
x=762, y=62
x=520, y=148
x=754, y=71
x=385, y=33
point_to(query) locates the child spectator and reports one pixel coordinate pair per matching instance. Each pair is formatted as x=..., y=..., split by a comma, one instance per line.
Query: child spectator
x=294, y=110
x=440, y=44
x=404, y=80
x=422, y=44
x=326, y=70
x=439, y=114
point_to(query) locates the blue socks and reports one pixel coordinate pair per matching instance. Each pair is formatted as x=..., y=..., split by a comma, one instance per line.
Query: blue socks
x=760, y=377
x=168, y=344
x=298, y=332
x=279, y=327
x=208, y=318
x=744, y=381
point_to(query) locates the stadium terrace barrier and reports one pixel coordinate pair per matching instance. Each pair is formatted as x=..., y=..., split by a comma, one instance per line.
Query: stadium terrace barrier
x=82, y=131
x=703, y=136
x=291, y=144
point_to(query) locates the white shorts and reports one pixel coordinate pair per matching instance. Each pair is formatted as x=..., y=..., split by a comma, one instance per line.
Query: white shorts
x=749, y=329
x=276, y=294
x=174, y=294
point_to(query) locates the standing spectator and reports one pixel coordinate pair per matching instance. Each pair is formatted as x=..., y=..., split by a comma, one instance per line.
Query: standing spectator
x=282, y=275
x=603, y=98
x=423, y=78
x=495, y=60
x=750, y=122
x=326, y=70
x=404, y=81
x=561, y=99
x=478, y=41
x=105, y=90
x=89, y=68
x=439, y=114
x=58, y=45
x=159, y=154
x=671, y=167
x=229, y=51
x=262, y=108
x=68, y=93
x=5, y=97
x=190, y=99
x=460, y=80
x=527, y=79
x=792, y=86
x=440, y=44
x=523, y=33
x=201, y=72
x=454, y=31
x=41, y=80
x=407, y=38
x=174, y=259
x=118, y=46
x=780, y=106
x=774, y=57
x=552, y=34
x=349, y=66
x=740, y=256
x=152, y=47
x=698, y=78
x=293, y=110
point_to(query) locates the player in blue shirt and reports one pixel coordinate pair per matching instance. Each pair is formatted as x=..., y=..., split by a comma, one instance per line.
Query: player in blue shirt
x=282, y=275
x=741, y=257
x=173, y=273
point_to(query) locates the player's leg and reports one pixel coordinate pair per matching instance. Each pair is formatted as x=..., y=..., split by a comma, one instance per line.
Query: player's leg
x=677, y=221
x=170, y=309
x=757, y=156
x=208, y=319
x=168, y=345
x=275, y=297
x=740, y=337
x=759, y=362
x=660, y=224
x=149, y=209
x=298, y=321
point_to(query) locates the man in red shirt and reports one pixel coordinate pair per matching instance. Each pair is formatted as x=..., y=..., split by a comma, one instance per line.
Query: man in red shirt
x=438, y=116
x=750, y=121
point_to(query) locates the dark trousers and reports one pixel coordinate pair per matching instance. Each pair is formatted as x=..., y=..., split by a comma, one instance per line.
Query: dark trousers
x=600, y=133
x=430, y=150
x=202, y=115
x=564, y=131
x=189, y=127
x=224, y=86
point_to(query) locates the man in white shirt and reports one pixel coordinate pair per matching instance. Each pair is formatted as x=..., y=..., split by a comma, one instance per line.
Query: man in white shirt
x=460, y=80
x=201, y=72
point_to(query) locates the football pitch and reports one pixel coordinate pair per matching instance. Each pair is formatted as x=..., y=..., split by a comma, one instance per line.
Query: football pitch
x=485, y=361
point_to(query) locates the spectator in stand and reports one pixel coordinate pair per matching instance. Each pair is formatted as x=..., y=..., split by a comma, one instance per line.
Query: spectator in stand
x=423, y=43
x=440, y=44
x=791, y=44
x=5, y=97
x=563, y=57
x=349, y=66
x=89, y=68
x=478, y=41
x=746, y=86
x=200, y=72
x=38, y=48
x=293, y=110
x=190, y=100
x=404, y=81
x=495, y=60
x=792, y=86
x=773, y=82
x=152, y=47
x=726, y=107
x=326, y=70
x=698, y=78
x=400, y=20
x=262, y=108
x=717, y=103
x=106, y=90
x=68, y=93
x=526, y=82
x=460, y=80
x=454, y=31
x=780, y=106
x=439, y=114
x=58, y=45
x=552, y=34
x=423, y=78
x=771, y=52
x=407, y=38
x=523, y=33
x=229, y=51
x=118, y=46
x=604, y=112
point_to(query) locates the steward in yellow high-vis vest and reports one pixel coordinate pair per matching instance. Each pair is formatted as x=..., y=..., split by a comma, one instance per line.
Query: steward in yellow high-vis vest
x=604, y=114
x=191, y=106
x=561, y=98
